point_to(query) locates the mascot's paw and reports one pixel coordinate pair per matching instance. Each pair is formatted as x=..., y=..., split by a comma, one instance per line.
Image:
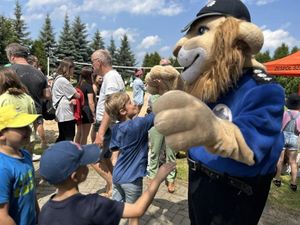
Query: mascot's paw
x=231, y=144
x=186, y=121
x=161, y=79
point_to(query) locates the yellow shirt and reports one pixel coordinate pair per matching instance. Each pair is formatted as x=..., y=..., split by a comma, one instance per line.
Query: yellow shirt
x=24, y=103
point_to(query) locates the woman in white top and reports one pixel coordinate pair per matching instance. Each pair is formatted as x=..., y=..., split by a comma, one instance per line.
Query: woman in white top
x=63, y=98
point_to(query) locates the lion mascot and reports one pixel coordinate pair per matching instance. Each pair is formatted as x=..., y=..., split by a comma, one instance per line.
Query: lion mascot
x=228, y=116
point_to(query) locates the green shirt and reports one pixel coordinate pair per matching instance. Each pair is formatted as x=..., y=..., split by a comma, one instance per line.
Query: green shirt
x=23, y=102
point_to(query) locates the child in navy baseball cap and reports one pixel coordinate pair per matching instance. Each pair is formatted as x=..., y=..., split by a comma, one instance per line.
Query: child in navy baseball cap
x=64, y=158
x=64, y=166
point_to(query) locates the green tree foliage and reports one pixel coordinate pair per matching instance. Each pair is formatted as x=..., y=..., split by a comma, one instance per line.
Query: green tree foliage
x=97, y=42
x=7, y=36
x=79, y=33
x=125, y=57
x=151, y=59
x=113, y=51
x=38, y=50
x=289, y=83
x=66, y=47
x=174, y=62
x=263, y=57
x=281, y=51
x=81, y=54
x=47, y=37
x=22, y=36
x=294, y=50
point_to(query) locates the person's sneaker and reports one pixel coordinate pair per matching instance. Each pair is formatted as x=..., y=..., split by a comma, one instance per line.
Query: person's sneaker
x=277, y=182
x=293, y=187
x=35, y=157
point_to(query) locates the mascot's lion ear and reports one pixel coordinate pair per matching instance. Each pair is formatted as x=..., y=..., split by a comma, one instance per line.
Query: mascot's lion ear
x=252, y=35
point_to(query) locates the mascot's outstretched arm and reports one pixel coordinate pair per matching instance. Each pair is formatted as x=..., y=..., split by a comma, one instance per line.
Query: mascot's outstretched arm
x=200, y=127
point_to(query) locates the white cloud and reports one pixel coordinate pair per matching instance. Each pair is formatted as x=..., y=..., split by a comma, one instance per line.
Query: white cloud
x=273, y=39
x=259, y=2
x=108, y=7
x=140, y=57
x=119, y=33
x=172, y=10
x=264, y=2
x=149, y=41
x=164, y=49
x=36, y=4
x=90, y=27
x=32, y=17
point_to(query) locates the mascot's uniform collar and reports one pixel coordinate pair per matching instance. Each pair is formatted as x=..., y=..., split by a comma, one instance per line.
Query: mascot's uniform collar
x=234, y=8
x=253, y=104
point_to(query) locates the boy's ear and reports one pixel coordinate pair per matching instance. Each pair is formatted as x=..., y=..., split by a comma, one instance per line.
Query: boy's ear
x=2, y=137
x=74, y=177
x=123, y=112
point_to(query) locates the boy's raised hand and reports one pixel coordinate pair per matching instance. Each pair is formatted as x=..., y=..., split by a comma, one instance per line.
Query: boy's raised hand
x=164, y=171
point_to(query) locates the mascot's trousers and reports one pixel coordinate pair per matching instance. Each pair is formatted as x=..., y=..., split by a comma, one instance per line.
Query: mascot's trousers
x=218, y=200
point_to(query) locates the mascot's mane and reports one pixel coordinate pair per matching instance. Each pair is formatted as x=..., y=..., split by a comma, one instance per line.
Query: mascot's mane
x=226, y=62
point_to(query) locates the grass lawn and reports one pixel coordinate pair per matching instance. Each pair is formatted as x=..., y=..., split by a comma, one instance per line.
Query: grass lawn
x=284, y=197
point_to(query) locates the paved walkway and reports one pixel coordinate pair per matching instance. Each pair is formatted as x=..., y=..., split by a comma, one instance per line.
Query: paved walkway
x=165, y=209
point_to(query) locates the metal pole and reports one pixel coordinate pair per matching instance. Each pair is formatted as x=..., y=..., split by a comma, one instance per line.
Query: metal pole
x=48, y=66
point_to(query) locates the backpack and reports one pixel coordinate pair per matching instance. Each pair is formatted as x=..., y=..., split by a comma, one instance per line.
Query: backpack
x=291, y=126
x=48, y=109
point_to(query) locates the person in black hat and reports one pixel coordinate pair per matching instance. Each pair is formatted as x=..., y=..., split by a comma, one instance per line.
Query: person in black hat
x=291, y=130
x=228, y=116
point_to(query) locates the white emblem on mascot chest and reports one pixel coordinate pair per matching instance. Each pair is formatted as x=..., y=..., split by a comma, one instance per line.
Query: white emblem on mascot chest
x=223, y=112
x=211, y=3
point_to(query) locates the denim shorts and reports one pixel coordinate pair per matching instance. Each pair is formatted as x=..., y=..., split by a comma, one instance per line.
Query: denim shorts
x=290, y=141
x=128, y=192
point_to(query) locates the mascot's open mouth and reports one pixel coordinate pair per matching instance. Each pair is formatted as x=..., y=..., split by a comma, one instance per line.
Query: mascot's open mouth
x=185, y=68
x=192, y=60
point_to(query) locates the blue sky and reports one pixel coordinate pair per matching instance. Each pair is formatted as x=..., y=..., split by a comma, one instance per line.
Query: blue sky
x=154, y=25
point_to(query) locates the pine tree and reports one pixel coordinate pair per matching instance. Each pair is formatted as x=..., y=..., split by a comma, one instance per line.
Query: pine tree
x=47, y=37
x=66, y=47
x=174, y=62
x=22, y=36
x=81, y=53
x=7, y=36
x=294, y=49
x=97, y=42
x=38, y=50
x=80, y=41
x=281, y=51
x=151, y=59
x=125, y=57
x=113, y=51
x=263, y=57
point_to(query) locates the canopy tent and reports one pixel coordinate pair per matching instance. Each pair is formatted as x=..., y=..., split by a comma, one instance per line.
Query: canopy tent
x=287, y=66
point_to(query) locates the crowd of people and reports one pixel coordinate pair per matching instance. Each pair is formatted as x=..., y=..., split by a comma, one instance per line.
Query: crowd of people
x=97, y=107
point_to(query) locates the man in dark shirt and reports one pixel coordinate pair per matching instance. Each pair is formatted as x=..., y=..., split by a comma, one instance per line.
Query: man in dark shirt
x=32, y=78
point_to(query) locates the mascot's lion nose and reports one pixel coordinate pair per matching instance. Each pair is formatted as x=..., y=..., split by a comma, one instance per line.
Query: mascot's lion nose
x=176, y=50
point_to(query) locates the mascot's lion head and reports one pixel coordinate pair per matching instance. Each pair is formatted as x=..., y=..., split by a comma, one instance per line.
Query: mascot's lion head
x=219, y=43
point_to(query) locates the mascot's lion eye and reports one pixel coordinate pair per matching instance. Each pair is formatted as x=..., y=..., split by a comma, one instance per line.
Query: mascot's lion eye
x=202, y=30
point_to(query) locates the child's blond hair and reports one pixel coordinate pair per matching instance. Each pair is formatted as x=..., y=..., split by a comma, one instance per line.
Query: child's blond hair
x=114, y=103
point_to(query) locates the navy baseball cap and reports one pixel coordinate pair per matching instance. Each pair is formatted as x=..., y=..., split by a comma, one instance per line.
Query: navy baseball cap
x=234, y=8
x=60, y=160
